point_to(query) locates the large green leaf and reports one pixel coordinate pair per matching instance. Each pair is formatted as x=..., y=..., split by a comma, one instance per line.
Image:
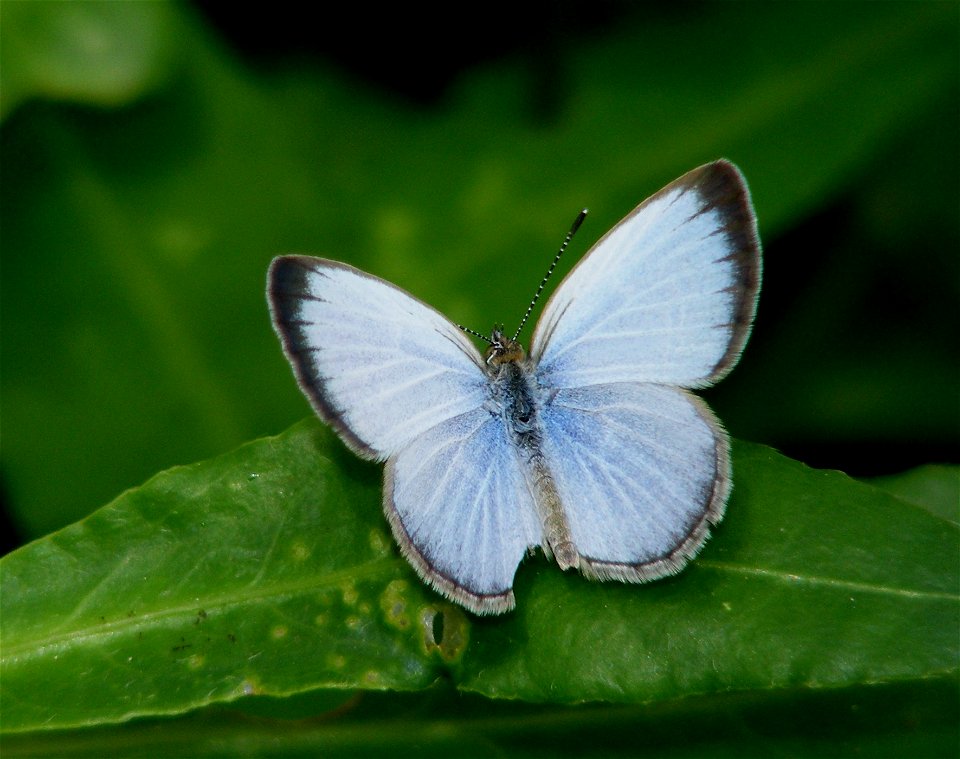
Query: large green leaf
x=269, y=571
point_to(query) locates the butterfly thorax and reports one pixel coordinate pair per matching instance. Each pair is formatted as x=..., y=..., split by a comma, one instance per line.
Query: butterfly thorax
x=502, y=350
x=514, y=389
x=517, y=398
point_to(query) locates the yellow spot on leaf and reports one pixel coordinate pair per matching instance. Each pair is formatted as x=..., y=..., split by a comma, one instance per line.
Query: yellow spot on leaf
x=379, y=542
x=394, y=604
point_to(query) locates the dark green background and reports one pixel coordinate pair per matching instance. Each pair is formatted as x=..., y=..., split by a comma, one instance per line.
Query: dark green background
x=149, y=179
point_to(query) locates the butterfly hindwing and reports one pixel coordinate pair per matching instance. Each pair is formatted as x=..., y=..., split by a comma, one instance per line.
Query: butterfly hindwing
x=460, y=509
x=376, y=363
x=666, y=296
x=642, y=471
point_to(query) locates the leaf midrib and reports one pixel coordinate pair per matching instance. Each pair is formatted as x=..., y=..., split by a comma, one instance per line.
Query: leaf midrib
x=32, y=646
x=793, y=578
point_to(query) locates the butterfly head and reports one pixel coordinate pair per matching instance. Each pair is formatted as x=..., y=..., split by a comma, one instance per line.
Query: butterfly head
x=502, y=350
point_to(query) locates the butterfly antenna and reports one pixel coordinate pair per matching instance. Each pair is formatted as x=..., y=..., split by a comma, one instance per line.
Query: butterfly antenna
x=476, y=334
x=566, y=241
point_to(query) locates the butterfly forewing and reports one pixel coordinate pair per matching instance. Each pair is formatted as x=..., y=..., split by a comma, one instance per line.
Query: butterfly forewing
x=666, y=296
x=376, y=363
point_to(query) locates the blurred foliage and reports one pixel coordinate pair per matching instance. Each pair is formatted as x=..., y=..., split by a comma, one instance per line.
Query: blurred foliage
x=97, y=53
x=890, y=721
x=136, y=238
x=150, y=174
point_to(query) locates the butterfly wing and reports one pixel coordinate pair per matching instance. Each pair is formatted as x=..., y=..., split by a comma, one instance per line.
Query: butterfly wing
x=667, y=295
x=378, y=365
x=642, y=471
x=663, y=302
x=399, y=382
x=460, y=510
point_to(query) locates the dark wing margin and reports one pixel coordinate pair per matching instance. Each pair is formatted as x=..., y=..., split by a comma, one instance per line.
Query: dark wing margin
x=286, y=288
x=723, y=187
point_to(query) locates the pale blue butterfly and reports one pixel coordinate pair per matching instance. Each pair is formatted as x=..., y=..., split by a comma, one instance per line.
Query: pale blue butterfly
x=592, y=447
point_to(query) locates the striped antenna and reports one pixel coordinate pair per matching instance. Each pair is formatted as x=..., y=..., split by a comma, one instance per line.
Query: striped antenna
x=566, y=241
x=476, y=334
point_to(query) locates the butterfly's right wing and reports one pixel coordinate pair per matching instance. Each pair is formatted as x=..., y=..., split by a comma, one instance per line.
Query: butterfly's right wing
x=461, y=511
x=666, y=296
x=377, y=364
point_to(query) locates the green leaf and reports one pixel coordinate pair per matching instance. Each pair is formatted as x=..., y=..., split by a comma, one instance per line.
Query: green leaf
x=812, y=581
x=270, y=571
x=253, y=573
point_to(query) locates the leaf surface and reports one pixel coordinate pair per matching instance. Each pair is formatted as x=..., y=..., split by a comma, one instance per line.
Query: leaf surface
x=270, y=571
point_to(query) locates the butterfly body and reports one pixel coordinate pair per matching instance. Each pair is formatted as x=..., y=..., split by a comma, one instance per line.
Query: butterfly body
x=518, y=399
x=591, y=446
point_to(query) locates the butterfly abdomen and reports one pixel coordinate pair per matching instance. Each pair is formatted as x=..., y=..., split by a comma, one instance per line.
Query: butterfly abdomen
x=519, y=398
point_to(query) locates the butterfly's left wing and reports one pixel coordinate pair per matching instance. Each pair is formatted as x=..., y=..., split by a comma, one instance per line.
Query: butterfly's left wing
x=642, y=471
x=377, y=364
x=666, y=296
x=399, y=382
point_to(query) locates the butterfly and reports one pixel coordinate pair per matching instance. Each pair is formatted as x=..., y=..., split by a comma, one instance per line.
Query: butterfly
x=590, y=446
